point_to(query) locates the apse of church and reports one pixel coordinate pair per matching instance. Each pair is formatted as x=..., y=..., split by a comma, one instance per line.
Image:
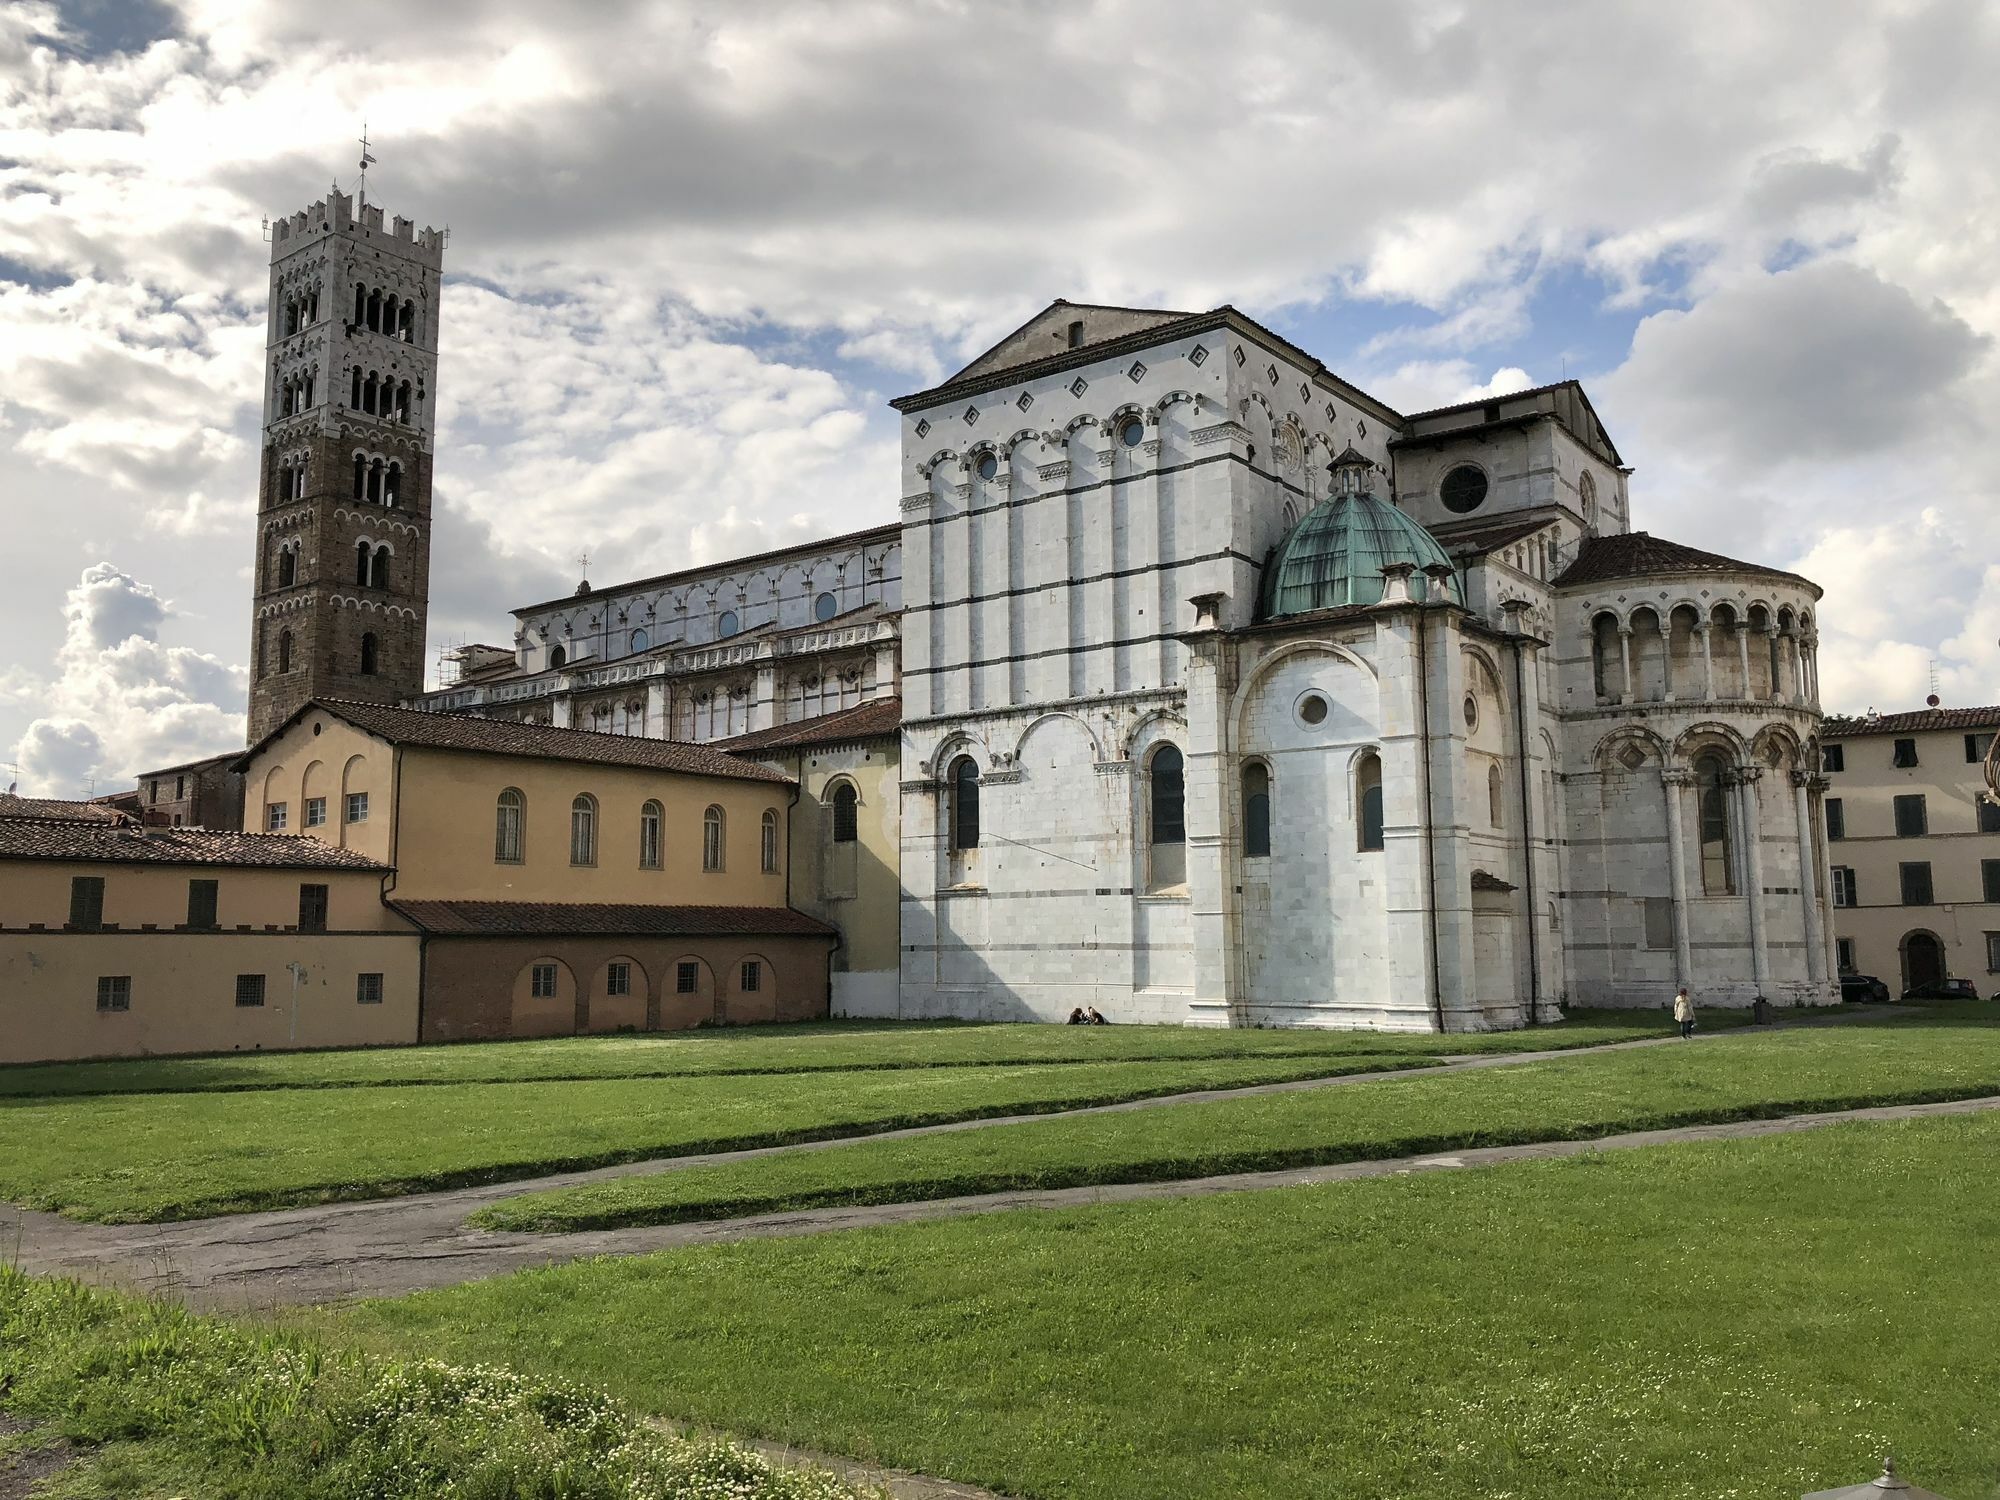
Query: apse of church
x=344, y=493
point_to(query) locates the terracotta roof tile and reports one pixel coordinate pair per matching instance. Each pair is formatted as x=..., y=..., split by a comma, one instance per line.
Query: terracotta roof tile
x=1638, y=554
x=454, y=731
x=556, y=918
x=110, y=844
x=59, y=810
x=874, y=719
x=1463, y=540
x=1837, y=727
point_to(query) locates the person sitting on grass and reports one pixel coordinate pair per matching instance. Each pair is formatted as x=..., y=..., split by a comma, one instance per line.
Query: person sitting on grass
x=1076, y=1018
x=1684, y=1013
x=1096, y=1019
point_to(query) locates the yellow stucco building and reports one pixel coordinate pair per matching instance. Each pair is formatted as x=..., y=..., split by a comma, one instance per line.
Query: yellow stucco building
x=563, y=880
x=1914, y=847
x=119, y=940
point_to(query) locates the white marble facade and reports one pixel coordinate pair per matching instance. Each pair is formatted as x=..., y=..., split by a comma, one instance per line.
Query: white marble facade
x=1593, y=747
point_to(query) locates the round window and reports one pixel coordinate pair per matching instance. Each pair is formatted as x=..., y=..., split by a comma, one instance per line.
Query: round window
x=640, y=640
x=1312, y=708
x=1132, y=434
x=825, y=607
x=1471, y=712
x=1464, y=488
x=988, y=466
x=726, y=625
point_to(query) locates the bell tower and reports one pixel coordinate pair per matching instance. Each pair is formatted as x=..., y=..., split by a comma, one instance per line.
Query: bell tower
x=342, y=585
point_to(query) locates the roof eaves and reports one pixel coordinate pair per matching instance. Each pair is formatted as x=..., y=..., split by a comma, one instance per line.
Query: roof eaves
x=892, y=529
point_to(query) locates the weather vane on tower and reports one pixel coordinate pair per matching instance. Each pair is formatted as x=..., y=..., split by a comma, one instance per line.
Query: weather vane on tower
x=367, y=160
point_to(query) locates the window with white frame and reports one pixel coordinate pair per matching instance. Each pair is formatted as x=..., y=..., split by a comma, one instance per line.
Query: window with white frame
x=542, y=982
x=357, y=807
x=315, y=812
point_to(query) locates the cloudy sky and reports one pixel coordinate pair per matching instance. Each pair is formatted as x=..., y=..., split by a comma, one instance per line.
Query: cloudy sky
x=696, y=246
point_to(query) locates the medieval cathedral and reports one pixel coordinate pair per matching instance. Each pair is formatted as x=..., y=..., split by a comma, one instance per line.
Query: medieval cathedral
x=1185, y=679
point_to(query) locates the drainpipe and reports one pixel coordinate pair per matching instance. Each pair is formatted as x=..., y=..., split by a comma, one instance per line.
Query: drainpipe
x=1514, y=609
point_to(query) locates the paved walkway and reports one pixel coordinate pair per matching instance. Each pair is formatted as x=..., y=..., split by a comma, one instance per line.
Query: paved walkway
x=390, y=1246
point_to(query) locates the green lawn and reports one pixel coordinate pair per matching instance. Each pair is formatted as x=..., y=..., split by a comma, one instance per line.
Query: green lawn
x=1735, y=1077
x=1755, y=1318
x=142, y=1157
x=786, y=1049
x=162, y=1404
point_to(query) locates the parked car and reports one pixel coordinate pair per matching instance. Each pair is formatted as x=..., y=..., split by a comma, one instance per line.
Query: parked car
x=1863, y=987
x=1942, y=989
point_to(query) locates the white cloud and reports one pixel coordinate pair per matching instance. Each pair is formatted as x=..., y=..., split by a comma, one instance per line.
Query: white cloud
x=119, y=701
x=663, y=214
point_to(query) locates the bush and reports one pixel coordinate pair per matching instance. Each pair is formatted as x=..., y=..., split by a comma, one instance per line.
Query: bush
x=274, y=1414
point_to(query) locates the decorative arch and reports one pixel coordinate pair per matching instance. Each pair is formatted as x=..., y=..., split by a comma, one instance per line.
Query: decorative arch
x=1613, y=753
x=544, y=998
x=1710, y=734
x=1020, y=745
x=1150, y=730
x=1270, y=663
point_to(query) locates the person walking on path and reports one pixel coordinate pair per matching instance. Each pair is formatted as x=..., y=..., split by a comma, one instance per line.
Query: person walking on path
x=1684, y=1013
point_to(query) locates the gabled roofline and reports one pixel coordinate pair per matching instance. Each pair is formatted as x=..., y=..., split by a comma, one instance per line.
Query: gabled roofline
x=1533, y=390
x=1226, y=316
x=1034, y=317
x=892, y=531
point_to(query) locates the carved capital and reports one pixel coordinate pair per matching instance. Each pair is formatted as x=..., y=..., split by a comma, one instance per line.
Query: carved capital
x=1114, y=767
x=1675, y=776
x=911, y=505
x=1050, y=473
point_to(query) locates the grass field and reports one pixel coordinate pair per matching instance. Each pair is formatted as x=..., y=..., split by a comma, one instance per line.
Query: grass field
x=813, y=1047
x=143, y=1157
x=162, y=1404
x=1747, y=1076
x=1756, y=1318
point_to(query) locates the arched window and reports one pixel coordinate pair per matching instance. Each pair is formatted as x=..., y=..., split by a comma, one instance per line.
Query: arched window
x=1586, y=494
x=284, y=651
x=368, y=393
x=288, y=567
x=768, y=842
x=403, y=402
x=641, y=640
x=1256, y=811
x=557, y=656
x=375, y=480
x=651, y=816
x=845, y=807
x=360, y=304
x=368, y=654
x=711, y=839
x=312, y=306
x=360, y=476
x=1368, y=803
x=392, y=484
x=825, y=607
x=725, y=624
x=362, y=552
x=1718, y=858
x=378, y=569
x=583, y=830
x=508, y=815
x=354, y=397
x=1169, y=796
x=1493, y=802
x=291, y=319
x=964, y=781
x=375, y=310
x=406, y=322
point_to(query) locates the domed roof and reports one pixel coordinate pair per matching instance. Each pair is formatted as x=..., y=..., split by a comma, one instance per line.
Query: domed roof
x=1335, y=556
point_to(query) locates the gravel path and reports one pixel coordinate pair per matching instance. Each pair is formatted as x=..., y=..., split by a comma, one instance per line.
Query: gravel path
x=390, y=1246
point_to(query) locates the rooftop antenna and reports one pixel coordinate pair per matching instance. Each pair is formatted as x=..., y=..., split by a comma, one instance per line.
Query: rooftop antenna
x=366, y=161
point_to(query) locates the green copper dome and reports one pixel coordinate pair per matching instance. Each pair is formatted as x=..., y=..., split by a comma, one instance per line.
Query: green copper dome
x=1335, y=557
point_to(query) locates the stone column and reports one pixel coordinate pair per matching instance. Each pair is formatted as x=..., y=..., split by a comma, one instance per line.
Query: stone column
x=1667, y=658
x=1808, y=877
x=1675, y=782
x=1753, y=873
x=1743, y=655
x=1625, y=693
x=657, y=706
x=1707, y=663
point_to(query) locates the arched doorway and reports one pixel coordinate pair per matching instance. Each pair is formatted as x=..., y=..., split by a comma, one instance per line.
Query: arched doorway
x=1923, y=960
